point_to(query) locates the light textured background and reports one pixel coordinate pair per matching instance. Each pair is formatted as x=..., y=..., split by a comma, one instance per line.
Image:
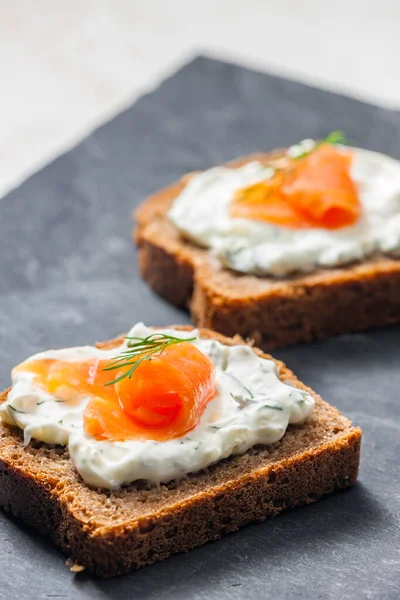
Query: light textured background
x=66, y=67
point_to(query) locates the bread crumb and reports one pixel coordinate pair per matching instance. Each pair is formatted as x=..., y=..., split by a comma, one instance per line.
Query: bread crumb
x=74, y=567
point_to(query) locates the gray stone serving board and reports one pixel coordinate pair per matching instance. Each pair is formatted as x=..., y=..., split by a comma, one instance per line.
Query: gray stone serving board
x=68, y=277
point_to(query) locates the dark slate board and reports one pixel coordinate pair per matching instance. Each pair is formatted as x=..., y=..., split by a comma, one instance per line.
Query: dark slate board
x=68, y=277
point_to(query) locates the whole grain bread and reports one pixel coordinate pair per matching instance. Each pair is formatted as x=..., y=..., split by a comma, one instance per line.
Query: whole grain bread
x=274, y=312
x=114, y=532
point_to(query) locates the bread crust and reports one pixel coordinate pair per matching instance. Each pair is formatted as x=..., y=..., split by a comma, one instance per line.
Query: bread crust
x=274, y=312
x=115, y=532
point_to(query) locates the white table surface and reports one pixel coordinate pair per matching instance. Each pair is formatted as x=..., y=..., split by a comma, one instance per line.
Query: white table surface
x=67, y=67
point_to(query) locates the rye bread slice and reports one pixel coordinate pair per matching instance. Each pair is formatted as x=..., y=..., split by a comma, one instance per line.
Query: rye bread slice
x=114, y=532
x=275, y=312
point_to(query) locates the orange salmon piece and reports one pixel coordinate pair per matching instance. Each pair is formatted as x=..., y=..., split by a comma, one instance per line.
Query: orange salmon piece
x=69, y=380
x=163, y=399
x=315, y=191
x=320, y=186
x=264, y=202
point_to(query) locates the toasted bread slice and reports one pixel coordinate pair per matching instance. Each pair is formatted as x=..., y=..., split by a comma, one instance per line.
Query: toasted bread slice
x=273, y=312
x=114, y=532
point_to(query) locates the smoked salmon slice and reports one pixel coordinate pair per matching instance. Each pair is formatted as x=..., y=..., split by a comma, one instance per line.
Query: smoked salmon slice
x=314, y=191
x=68, y=380
x=264, y=202
x=163, y=399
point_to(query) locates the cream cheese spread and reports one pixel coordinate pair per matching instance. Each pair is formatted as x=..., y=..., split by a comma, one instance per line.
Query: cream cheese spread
x=202, y=213
x=252, y=406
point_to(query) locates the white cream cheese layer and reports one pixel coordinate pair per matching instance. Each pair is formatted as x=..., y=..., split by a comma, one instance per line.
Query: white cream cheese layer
x=202, y=213
x=252, y=406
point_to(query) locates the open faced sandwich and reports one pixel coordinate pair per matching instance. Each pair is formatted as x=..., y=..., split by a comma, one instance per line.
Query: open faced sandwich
x=157, y=442
x=286, y=247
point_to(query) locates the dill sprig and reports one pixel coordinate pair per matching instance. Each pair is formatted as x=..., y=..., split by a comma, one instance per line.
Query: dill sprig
x=22, y=412
x=336, y=137
x=333, y=138
x=139, y=350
